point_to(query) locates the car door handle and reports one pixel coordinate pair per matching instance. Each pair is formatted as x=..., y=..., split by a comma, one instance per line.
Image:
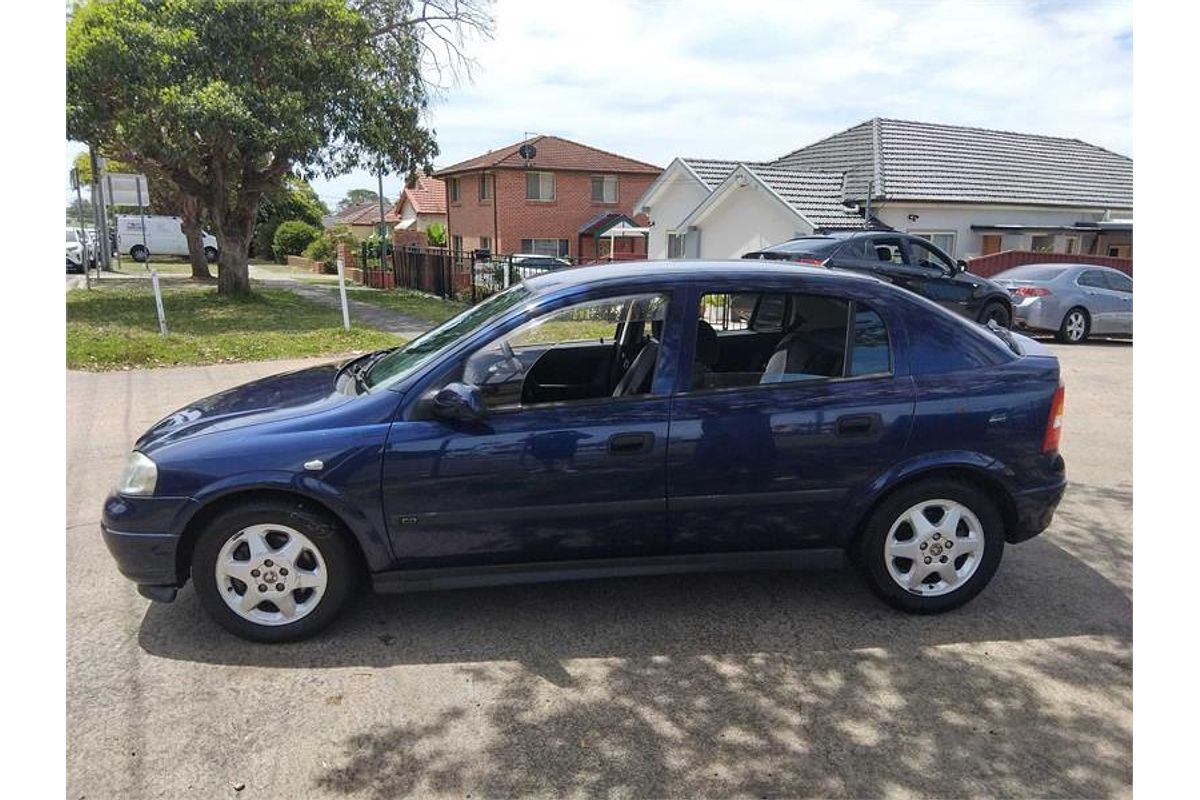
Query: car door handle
x=857, y=424
x=624, y=444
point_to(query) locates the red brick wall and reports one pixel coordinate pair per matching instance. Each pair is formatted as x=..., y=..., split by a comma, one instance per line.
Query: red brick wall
x=517, y=218
x=987, y=266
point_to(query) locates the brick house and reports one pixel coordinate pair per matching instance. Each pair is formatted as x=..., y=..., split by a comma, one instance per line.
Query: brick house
x=363, y=218
x=560, y=202
x=421, y=205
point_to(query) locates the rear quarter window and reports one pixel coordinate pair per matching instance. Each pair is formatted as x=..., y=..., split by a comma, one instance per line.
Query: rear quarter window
x=939, y=341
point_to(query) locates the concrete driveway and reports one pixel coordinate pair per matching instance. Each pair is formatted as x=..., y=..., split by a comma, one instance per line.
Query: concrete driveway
x=763, y=685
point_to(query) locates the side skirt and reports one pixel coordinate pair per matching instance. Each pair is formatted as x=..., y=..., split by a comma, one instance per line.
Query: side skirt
x=419, y=580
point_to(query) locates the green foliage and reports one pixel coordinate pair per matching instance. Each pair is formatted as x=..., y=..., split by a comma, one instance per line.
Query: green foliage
x=435, y=234
x=292, y=237
x=228, y=97
x=324, y=247
x=295, y=199
x=357, y=196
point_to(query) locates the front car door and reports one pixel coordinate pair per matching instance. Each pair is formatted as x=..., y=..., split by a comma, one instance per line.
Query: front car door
x=568, y=462
x=1122, y=285
x=764, y=458
x=940, y=280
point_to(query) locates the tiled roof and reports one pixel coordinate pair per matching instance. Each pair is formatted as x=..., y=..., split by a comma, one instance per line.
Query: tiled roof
x=428, y=196
x=949, y=163
x=712, y=170
x=553, y=152
x=817, y=196
x=365, y=214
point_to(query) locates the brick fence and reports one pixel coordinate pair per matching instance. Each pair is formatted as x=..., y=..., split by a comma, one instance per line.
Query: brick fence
x=987, y=266
x=300, y=262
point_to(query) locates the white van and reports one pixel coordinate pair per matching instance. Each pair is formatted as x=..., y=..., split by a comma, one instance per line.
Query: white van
x=164, y=237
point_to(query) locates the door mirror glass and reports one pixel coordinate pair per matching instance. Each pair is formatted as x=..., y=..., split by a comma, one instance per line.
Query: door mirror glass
x=459, y=401
x=962, y=266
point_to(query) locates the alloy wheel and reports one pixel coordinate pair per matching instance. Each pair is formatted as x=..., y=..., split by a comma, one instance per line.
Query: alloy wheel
x=934, y=547
x=271, y=574
x=1075, y=326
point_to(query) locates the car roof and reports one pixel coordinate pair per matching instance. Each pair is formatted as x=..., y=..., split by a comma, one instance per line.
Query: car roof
x=684, y=270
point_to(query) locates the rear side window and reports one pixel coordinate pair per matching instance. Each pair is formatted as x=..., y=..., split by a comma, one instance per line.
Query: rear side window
x=1093, y=278
x=870, y=353
x=942, y=342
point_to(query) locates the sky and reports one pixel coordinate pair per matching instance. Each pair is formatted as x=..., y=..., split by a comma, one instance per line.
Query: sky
x=657, y=79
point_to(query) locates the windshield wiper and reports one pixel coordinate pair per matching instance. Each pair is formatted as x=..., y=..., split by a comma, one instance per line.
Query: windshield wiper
x=1005, y=335
x=360, y=370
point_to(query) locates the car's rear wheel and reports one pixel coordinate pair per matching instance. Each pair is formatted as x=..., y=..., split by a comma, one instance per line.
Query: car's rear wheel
x=273, y=571
x=1075, y=326
x=932, y=546
x=210, y=255
x=139, y=254
x=996, y=312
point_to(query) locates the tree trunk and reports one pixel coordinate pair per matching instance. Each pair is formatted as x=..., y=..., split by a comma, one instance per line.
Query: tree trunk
x=190, y=214
x=235, y=227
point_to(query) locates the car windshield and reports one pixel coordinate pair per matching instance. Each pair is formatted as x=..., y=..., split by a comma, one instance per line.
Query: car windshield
x=72, y=237
x=403, y=360
x=1034, y=272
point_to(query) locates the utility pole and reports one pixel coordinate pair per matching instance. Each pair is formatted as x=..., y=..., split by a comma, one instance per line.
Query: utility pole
x=83, y=243
x=382, y=224
x=100, y=211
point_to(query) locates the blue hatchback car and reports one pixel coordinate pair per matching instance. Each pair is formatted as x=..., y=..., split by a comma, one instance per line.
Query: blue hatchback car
x=616, y=420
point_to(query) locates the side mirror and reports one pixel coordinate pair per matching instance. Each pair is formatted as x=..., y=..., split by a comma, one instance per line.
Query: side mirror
x=962, y=266
x=459, y=401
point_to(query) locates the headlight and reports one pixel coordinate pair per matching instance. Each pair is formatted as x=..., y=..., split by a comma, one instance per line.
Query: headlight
x=139, y=477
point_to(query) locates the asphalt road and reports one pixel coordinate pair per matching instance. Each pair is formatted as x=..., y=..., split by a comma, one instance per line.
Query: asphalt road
x=761, y=685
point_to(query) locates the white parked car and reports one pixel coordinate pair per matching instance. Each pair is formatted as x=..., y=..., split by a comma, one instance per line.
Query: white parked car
x=75, y=242
x=163, y=237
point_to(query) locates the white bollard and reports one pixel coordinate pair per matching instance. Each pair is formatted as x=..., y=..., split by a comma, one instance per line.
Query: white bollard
x=162, y=317
x=341, y=267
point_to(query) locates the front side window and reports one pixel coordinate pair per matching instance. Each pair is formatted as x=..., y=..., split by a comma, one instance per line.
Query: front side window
x=924, y=257
x=539, y=186
x=1119, y=283
x=604, y=188
x=748, y=340
x=591, y=351
x=942, y=241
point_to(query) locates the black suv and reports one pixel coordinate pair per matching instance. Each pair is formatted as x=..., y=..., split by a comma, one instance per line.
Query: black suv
x=907, y=261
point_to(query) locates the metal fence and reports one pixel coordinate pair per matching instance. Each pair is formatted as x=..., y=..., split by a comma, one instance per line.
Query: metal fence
x=465, y=276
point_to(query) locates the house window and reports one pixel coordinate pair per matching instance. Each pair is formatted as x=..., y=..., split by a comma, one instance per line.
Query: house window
x=454, y=192
x=485, y=243
x=539, y=186
x=456, y=244
x=485, y=186
x=1043, y=243
x=1072, y=244
x=556, y=248
x=675, y=245
x=604, y=188
x=943, y=241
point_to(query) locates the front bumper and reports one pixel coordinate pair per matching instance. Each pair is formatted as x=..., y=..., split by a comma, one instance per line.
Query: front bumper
x=143, y=536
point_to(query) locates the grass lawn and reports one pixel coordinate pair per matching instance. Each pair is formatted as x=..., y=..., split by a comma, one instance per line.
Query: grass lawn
x=115, y=326
x=419, y=305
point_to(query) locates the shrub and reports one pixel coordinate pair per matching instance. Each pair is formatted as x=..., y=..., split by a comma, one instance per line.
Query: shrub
x=435, y=234
x=292, y=237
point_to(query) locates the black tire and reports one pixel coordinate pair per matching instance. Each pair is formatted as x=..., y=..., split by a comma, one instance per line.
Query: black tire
x=210, y=255
x=325, y=533
x=139, y=254
x=1069, y=331
x=995, y=310
x=872, y=560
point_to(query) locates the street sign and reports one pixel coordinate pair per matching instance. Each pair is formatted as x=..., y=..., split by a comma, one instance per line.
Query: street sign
x=125, y=189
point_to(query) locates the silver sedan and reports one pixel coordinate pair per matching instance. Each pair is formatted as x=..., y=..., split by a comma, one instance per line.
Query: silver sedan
x=1072, y=301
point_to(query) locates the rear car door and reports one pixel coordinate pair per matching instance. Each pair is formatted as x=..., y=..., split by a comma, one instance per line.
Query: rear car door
x=1105, y=306
x=762, y=459
x=561, y=467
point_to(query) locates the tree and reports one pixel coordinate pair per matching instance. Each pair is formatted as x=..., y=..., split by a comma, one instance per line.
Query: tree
x=165, y=198
x=227, y=98
x=357, y=196
x=292, y=237
x=73, y=213
x=295, y=199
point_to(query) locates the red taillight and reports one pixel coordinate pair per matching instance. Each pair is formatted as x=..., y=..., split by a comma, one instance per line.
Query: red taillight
x=1030, y=291
x=1055, y=422
x=812, y=262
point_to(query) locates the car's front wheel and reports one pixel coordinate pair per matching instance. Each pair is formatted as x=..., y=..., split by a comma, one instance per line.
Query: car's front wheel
x=273, y=571
x=139, y=254
x=211, y=254
x=932, y=546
